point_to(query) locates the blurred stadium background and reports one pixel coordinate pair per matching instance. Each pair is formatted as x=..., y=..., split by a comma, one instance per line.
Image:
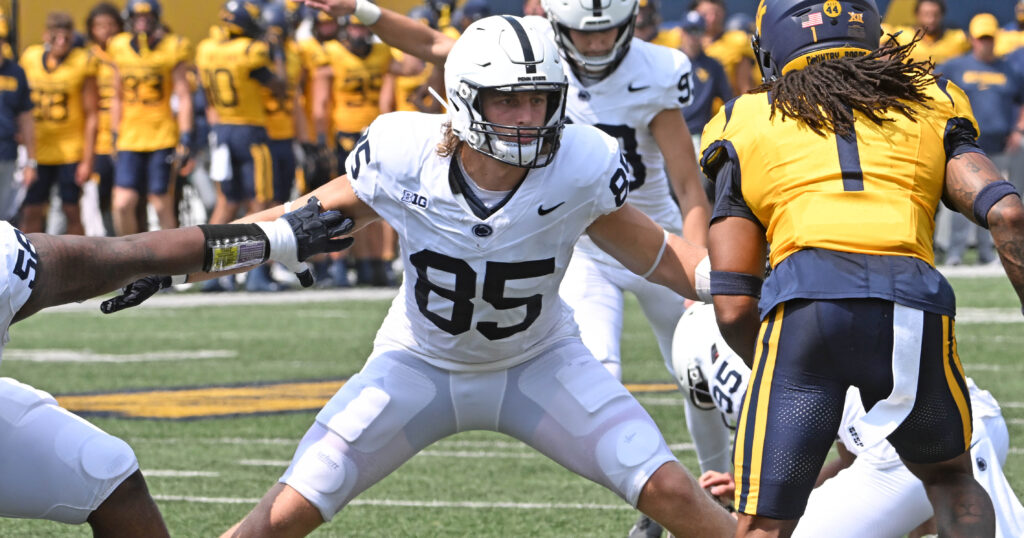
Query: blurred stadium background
x=193, y=18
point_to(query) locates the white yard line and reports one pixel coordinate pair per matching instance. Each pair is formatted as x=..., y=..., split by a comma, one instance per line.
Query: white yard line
x=69, y=355
x=241, y=298
x=988, y=315
x=182, y=474
x=413, y=504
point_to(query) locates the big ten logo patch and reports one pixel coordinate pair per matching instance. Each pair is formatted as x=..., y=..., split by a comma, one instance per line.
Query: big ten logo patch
x=414, y=199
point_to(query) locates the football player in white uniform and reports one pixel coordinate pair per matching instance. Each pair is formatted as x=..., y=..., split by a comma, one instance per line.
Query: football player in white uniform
x=633, y=91
x=879, y=495
x=488, y=202
x=55, y=465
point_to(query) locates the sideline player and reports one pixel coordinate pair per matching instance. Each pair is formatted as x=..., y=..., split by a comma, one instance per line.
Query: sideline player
x=103, y=23
x=479, y=338
x=879, y=495
x=57, y=466
x=62, y=78
x=151, y=142
x=236, y=71
x=840, y=174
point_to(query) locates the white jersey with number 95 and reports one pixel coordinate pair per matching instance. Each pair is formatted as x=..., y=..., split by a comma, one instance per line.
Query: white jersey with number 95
x=481, y=284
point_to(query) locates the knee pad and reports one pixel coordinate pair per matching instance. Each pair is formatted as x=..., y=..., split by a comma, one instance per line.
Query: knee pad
x=629, y=453
x=322, y=472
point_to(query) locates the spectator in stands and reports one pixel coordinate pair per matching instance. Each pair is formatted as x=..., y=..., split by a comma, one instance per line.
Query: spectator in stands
x=1011, y=37
x=532, y=7
x=993, y=89
x=731, y=49
x=471, y=11
x=939, y=42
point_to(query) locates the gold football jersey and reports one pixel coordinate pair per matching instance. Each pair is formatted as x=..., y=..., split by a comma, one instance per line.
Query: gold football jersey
x=146, y=76
x=57, y=97
x=226, y=69
x=357, y=85
x=105, y=72
x=873, y=193
x=280, y=114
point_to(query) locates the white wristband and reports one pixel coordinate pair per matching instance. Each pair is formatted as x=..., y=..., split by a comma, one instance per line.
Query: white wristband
x=703, y=280
x=367, y=12
x=283, y=247
x=657, y=260
x=178, y=279
x=288, y=206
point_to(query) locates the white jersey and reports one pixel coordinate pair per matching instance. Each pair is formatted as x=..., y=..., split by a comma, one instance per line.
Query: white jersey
x=17, y=275
x=481, y=286
x=882, y=455
x=650, y=79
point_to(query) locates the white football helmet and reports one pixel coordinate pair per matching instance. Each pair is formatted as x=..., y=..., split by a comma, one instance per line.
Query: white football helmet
x=592, y=16
x=503, y=54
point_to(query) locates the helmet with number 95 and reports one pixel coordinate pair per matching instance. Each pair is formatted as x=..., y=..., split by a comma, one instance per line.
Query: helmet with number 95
x=501, y=54
x=592, y=16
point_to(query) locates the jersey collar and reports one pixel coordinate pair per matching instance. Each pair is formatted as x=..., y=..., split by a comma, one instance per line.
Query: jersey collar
x=458, y=182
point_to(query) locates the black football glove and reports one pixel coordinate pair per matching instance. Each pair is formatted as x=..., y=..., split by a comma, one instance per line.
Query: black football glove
x=135, y=293
x=315, y=233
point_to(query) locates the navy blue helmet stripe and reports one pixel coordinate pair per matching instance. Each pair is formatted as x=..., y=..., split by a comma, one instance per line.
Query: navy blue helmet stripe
x=524, y=40
x=597, y=8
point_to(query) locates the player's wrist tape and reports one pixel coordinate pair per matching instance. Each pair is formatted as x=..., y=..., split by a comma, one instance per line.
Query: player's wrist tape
x=367, y=12
x=233, y=246
x=988, y=196
x=661, y=253
x=702, y=280
x=282, y=243
x=730, y=283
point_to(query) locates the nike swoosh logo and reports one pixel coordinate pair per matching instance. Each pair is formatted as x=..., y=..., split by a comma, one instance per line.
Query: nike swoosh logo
x=636, y=89
x=541, y=210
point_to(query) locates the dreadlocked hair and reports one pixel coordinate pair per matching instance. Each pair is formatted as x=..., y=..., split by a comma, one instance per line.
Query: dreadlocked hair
x=825, y=95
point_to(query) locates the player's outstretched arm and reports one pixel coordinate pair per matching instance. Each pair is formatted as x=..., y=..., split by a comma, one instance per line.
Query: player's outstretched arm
x=642, y=246
x=393, y=28
x=74, y=268
x=975, y=187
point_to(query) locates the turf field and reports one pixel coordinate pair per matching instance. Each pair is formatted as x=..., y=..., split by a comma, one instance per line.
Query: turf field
x=213, y=452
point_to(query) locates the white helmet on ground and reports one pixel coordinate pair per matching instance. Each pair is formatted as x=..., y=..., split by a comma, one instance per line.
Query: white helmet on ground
x=502, y=54
x=592, y=16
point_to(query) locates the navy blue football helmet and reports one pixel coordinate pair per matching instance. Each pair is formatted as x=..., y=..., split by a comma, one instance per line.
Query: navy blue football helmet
x=142, y=8
x=792, y=34
x=242, y=18
x=276, y=20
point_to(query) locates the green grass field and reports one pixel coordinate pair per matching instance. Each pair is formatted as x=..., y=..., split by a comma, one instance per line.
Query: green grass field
x=206, y=473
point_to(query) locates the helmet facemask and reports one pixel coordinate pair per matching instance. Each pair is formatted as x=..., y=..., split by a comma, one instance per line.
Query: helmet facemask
x=566, y=16
x=522, y=146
